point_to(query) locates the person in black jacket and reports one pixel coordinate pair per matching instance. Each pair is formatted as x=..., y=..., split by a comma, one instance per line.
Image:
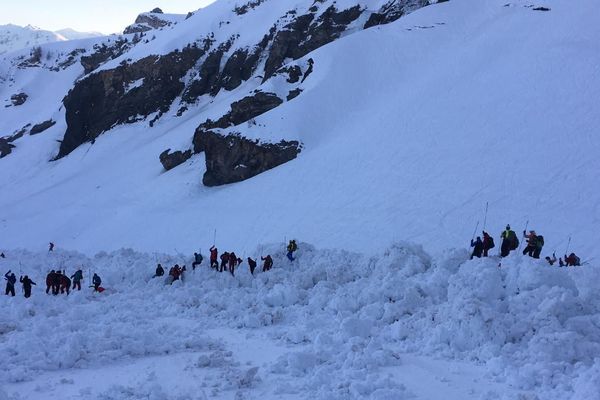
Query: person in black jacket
x=160, y=271
x=197, y=260
x=96, y=281
x=477, y=248
x=252, y=264
x=11, y=279
x=27, y=283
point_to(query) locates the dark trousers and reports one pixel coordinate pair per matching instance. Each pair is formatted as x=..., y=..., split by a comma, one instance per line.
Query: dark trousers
x=536, y=252
x=10, y=289
x=194, y=265
x=505, y=249
x=27, y=292
x=77, y=285
x=529, y=250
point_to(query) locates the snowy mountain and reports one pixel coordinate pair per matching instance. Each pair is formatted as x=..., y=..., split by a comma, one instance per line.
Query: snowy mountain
x=71, y=34
x=14, y=37
x=381, y=134
x=155, y=19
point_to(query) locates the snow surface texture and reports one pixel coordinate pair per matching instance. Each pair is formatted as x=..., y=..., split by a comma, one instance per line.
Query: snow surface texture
x=408, y=130
x=332, y=325
x=14, y=37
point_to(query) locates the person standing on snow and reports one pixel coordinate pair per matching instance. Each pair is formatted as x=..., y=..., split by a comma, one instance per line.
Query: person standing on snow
x=50, y=281
x=233, y=261
x=65, y=283
x=268, y=263
x=224, y=261
x=509, y=241
x=477, y=248
x=11, y=280
x=56, y=282
x=488, y=243
x=531, y=243
x=291, y=248
x=96, y=282
x=197, y=260
x=252, y=265
x=50, y=246
x=160, y=271
x=77, y=277
x=214, y=257
x=26, y=285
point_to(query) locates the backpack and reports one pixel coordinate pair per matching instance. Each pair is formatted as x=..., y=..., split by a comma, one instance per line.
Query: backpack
x=514, y=240
x=540, y=242
x=491, y=244
x=199, y=258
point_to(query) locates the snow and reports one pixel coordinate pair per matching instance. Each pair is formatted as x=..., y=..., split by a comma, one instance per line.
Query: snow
x=408, y=130
x=331, y=325
x=14, y=37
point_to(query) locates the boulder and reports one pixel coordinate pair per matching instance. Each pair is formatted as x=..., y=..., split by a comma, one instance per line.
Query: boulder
x=41, y=127
x=18, y=99
x=233, y=158
x=5, y=147
x=172, y=160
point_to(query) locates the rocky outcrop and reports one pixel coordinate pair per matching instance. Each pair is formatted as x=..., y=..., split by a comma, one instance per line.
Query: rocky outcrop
x=104, y=53
x=124, y=95
x=18, y=99
x=5, y=147
x=233, y=158
x=148, y=21
x=41, y=127
x=171, y=160
x=393, y=10
x=245, y=109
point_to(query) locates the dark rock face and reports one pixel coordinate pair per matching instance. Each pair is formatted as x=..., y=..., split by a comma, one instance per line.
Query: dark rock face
x=393, y=10
x=41, y=127
x=306, y=34
x=241, y=10
x=104, y=99
x=147, y=21
x=104, y=53
x=5, y=147
x=18, y=99
x=232, y=158
x=171, y=160
x=247, y=108
x=293, y=94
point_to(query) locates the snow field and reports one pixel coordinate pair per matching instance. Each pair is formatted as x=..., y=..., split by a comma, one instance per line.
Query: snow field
x=344, y=320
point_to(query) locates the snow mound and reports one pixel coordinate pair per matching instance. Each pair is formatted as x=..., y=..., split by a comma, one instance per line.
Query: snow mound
x=345, y=317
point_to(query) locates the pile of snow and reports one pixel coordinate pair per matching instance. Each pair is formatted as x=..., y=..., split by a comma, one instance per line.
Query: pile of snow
x=345, y=320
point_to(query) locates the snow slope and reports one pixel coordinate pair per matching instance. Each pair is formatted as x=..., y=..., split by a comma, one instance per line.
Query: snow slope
x=408, y=130
x=334, y=325
x=14, y=37
x=72, y=34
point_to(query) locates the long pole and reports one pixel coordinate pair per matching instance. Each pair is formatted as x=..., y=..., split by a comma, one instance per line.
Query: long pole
x=215, y=237
x=524, y=232
x=475, y=231
x=568, y=245
x=485, y=217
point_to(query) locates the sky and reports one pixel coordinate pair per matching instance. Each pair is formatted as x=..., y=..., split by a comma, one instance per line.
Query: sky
x=106, y=16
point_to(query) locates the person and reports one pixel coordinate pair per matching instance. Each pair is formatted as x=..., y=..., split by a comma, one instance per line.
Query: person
x=233, y=261
x=77, y=277
x=291, y=248
x=197, y=260
x=2, y=255
x=174, y=273
x=268, y=263
x=65, y=283
x=552, y=260
x=96, y=281
x=509, y=241
x=160, y=271
x=531, y=243
x=539, y=245
x=477, y=248
x=488, y=243
x=50, y=246
x=224, y=261
x=56, y=283
x=50, y=281
x=572, y=260
x=214, y=253
x=26, y=285
x=252, y=265
x=11, y=279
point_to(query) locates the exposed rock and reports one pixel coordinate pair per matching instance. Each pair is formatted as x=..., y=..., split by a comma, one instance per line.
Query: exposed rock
x=305, y=34
x=41, y=127
x=157, y=10
x=541, y=9
x=18, y=99
x=5, y=147
x=148, y=21
x=172, y=160
x=245, y=109
x=104, y=99
x=241, y=10
x=234, y=158
x=309, y=70
x=293, y=94
x=103, y=54
x=393, y=10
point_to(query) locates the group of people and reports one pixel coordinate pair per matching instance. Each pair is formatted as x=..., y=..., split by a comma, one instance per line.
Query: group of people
x=11, y=281
x=57, y=282
x=510, y=242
